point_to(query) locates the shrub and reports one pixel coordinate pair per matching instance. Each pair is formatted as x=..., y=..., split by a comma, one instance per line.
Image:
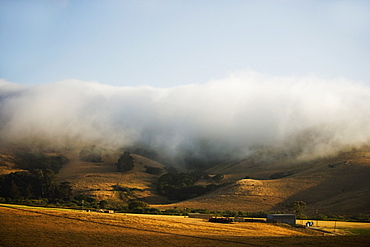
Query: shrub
x=31, y=161
x=137, y=206
x=298, y=207
x=91, y=154
x=103, y=204
x=84, y=200
x=153, y=170
x=124, y=189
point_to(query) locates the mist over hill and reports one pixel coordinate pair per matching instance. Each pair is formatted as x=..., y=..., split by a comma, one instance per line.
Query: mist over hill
x=305, y=118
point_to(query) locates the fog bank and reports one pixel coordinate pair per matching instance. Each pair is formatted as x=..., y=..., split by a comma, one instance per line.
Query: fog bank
x=307, y=117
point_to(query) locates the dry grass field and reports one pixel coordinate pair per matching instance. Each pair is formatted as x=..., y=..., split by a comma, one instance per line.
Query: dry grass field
x=24, y=226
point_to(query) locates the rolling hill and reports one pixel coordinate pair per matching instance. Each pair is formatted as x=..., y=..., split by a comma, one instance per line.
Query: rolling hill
x=97, y=179
x=336, y=185
x=332, y=185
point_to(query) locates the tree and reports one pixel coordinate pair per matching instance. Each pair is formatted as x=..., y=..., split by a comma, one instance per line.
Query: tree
x=14, y=190
x=34, y=185
x=45, y=183
x=125, y=162
x=92, y=154
x=65, y=191
x=298, y=207
x=137, y=205
x=180, y=186
x=31, y=161
x=153, y=170
x=103, y=204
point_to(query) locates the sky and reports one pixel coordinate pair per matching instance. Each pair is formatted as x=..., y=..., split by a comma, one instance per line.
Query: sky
x=200, y=79
x=163, y=43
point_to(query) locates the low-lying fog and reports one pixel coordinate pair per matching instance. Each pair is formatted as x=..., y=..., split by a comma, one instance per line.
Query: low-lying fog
x=307, y=117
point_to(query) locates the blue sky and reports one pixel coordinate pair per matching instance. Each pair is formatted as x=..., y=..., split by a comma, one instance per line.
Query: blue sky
x=168, y=43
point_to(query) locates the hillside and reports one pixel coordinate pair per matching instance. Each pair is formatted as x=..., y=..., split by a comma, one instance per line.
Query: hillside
x=97, y=179
x=335, y=185
x=7, y=164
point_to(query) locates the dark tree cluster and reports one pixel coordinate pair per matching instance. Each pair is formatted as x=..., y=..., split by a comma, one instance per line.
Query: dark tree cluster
x=86, y=201
x=134, y=205
x=125, y=162
x=124, y=189
x=298, y=207
x=92, y=154
x=181, y=186
x=153, y=170
x=35, y=184
x=141, y=207
x=30, y=161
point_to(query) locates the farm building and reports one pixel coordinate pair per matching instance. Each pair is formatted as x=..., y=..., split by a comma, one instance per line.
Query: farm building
x=289, y=219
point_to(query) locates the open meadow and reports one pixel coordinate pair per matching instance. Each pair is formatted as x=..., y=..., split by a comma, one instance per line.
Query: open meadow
x=27, y=226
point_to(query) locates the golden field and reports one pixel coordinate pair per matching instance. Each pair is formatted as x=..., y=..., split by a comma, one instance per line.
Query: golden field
x=27, y=226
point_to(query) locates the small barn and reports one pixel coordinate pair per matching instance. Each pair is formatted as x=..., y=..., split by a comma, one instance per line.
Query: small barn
x=289, y=219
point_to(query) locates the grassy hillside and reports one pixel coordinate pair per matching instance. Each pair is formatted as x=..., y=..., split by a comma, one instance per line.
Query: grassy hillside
x=335, y=185
x=7, y=164
x=97, y=179
x=338, y=185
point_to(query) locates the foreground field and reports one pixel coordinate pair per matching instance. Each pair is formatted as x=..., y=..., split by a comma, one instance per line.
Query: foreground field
x=22, y=226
